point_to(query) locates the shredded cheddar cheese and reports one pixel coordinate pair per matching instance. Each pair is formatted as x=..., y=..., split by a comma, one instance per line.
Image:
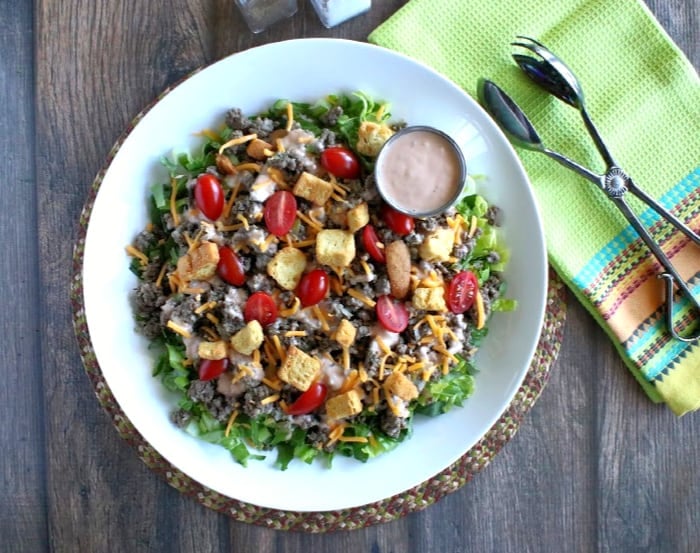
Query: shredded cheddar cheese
x=230, y=422
x=178, y=329
x=356, y=439
x=313, y=224
x=243, y=220
x=290, y=116
x=274, y=384
x=213, y=318
x=237, y=141
x=480, y=311
x=292, y=310
x=321, y=317
x=173, y=205
x=361, y=297
x=278, y=348
x=269, y=399
x=138, y=254
x=205, y=307
x=161, y=274
x=472, y=226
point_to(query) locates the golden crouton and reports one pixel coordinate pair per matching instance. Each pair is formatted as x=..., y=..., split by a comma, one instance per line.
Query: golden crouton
x=335, y=248
x=371, y=137
x=438, y=245
x=258, y=149
x=358, y=217
x=212, y=350
x=200, y=263
x=430, y=299
x=343, y=406
x=398, y=384
x=248, y=339
x=299, y=369
x=287, y=267
x=345, y=333
x=312, y=188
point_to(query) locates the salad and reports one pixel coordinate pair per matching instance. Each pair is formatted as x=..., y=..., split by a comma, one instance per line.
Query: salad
x=289, y=308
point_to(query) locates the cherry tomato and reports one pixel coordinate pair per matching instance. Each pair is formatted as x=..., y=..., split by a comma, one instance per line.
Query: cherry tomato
x=313, y=287
x=371, y=243
x=462, y=292
x=230, y=268
x=260, y=307
x=400, y=223
x=341, y=162
x=310, y=400
x=211, y=368
x=209, y=196
x=392, y=314
x=280, y=212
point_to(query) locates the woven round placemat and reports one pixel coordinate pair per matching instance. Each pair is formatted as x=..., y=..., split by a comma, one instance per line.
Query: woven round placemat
x=415, y=499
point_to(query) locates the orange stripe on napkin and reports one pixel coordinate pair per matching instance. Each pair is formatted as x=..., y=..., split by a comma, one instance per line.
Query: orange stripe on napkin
x=648, y=296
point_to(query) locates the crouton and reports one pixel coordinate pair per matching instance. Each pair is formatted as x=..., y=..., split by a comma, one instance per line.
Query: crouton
x=212, y=350
x=429, y=299
x=371, y=137
x=343, y=406
x=200, y=263
x=299, y=369
x=345, y=333
x=248, y=339
x=312, y=188
x=438, y=245
x=287, y=267
x=256, y=149
x=335, y=248
x=398, y=384
x=358, y=217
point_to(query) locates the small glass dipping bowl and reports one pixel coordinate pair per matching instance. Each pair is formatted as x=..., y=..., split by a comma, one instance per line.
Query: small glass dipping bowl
x=420, y=171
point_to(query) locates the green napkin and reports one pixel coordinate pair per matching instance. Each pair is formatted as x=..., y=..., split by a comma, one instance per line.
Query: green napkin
x=644, y=96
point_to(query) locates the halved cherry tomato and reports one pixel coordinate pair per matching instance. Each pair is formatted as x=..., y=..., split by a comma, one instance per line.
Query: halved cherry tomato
x=341, y=162
x=462, y=292
x=371, y=243
x=310, y=400
x=392, y=314
x=400, y=223
x=209, y=196
x=313, y=287
x=211, y=368
x=280, y=212
x=260, y=307
x=230, y=268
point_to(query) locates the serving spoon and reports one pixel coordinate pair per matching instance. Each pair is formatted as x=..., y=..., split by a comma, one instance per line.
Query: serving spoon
x=614, y=182
x=549, y=72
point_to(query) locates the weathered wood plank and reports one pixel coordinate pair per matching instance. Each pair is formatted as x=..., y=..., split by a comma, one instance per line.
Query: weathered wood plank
x=22, y=469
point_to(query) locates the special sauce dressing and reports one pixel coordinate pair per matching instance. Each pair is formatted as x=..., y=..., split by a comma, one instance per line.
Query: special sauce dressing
x=420, y=171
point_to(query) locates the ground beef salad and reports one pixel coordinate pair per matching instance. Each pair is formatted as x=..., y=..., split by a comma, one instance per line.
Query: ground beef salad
x=291, y=309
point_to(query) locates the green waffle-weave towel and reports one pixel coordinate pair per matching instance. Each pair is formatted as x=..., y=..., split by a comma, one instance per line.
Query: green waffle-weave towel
x=644, y=96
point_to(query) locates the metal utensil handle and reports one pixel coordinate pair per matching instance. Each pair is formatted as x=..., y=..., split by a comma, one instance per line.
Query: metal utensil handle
x=663, y=212
x=670, y=275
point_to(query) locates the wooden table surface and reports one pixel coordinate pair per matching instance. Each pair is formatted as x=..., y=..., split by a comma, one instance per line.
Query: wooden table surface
x=594, y=467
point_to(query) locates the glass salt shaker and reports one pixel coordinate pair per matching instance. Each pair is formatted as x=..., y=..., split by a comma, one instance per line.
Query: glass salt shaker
x=335, y=12
x=260, y=14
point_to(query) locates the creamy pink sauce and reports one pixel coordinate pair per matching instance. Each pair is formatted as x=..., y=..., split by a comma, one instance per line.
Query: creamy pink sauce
x=419, y=172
